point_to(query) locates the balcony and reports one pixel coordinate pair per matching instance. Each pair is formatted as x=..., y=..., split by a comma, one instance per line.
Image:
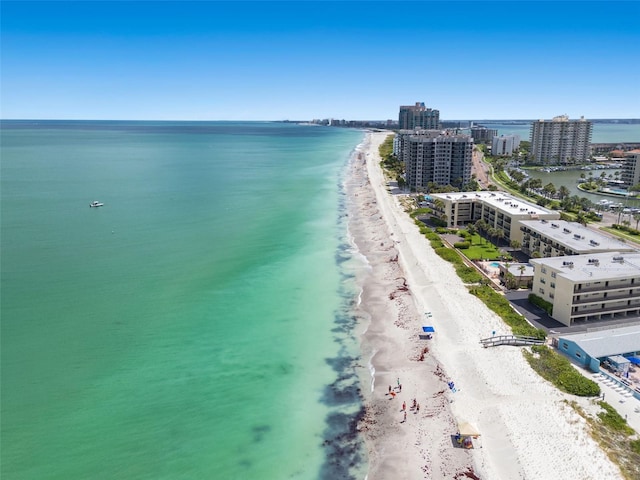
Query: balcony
x=610, y=297
x=599, y=310
x=610, y=288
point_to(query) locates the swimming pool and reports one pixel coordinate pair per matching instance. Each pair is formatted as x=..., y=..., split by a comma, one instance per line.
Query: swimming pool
x=494, y=265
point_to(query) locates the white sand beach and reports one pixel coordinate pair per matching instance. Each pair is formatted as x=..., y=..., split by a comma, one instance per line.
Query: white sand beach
x=527, y=430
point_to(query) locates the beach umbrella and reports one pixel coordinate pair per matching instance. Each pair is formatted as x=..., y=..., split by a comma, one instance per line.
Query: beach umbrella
x=467, y=430
x=428, y=329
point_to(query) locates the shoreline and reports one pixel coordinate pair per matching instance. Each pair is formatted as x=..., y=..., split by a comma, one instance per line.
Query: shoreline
x=527, y=430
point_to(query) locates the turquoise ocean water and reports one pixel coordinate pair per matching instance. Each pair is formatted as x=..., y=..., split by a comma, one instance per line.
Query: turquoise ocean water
x=199, y=325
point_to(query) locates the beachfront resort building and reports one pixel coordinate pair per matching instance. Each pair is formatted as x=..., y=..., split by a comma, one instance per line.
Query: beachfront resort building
x=504, y=144
x=595, y=287
x=483, y=134
x=631, y=168
x=434, y=156
x=554, y=238
x=560, y=141
x=418, y=117
x=498, y=210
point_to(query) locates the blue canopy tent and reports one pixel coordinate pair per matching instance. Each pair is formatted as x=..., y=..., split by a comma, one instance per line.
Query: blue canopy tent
x=428, y=331
x=635, y=360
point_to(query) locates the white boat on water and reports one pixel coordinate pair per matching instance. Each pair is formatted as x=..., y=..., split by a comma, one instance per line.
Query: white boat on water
x=96, y=204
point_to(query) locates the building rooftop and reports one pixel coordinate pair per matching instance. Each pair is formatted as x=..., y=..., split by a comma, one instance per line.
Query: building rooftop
x=499, y=200
x=593, y=267
x=609, y=342
x=514, y=269
x=575, y=236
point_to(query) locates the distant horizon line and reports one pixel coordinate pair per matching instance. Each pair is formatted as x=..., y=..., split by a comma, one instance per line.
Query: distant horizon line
x=282, y=120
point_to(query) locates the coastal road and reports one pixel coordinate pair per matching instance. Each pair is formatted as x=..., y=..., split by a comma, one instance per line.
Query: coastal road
x=480, y=169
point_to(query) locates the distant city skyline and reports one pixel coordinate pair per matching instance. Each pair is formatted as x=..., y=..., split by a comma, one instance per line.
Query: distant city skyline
x=356, y=60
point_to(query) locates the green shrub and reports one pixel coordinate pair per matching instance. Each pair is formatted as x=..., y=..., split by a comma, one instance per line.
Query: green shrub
x=462, y=245
x=541, y=302
x=558, y=370
x=612, y=419
x=420, y=211
x=468, y=274
x=501, y=306
x=449, y=255
x=441, y=230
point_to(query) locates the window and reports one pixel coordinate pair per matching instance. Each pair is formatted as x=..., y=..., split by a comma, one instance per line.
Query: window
x=553, y=274
x=541, y=291
x=543, y=270
x=565, y=346
x=578, y=355
x=552, y=285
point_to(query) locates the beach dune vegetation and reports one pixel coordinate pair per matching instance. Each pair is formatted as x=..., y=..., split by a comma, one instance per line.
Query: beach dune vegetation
x=558, y=370
x=501, y=306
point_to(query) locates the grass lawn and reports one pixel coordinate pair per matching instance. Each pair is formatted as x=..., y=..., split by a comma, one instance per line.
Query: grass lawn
x=481, y=248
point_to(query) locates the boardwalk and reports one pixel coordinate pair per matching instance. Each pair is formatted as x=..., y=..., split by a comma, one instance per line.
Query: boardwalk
x=517, y=340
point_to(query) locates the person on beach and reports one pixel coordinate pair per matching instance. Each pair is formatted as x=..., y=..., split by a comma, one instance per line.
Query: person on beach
x=404, y=408
x=393, y=395
x=399, y=388
x=389, y=389
x=417, y=408
x=405, y=417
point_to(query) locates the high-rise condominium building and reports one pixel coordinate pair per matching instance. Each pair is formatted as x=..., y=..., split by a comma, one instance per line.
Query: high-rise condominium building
x=560, y=141
x=418, y=116
x=434, y=156
x=631, y=168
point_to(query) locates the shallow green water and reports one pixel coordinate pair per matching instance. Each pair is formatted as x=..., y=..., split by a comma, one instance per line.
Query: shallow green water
x=183, y=330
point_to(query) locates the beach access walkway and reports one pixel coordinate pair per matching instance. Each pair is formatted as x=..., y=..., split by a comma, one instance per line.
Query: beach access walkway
x=516, y=340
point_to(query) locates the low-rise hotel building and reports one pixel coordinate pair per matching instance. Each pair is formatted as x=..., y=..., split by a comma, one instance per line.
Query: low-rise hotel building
x=497, y=209
x=559, y=237
x=583, y=288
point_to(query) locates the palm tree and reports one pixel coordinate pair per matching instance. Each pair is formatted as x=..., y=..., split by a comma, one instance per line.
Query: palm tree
x=636, y=217
x=581, y=218
x=549, y=189
x=471, y=228
x=522, y=268
x=492, y=232
x=563, y=192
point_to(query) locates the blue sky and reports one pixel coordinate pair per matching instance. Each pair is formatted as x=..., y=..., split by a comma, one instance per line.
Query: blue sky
x=301, y=60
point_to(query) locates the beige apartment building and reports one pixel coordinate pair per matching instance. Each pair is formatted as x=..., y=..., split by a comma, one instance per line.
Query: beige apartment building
x=558, y=237
x=498, y=209
x=584, y=288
